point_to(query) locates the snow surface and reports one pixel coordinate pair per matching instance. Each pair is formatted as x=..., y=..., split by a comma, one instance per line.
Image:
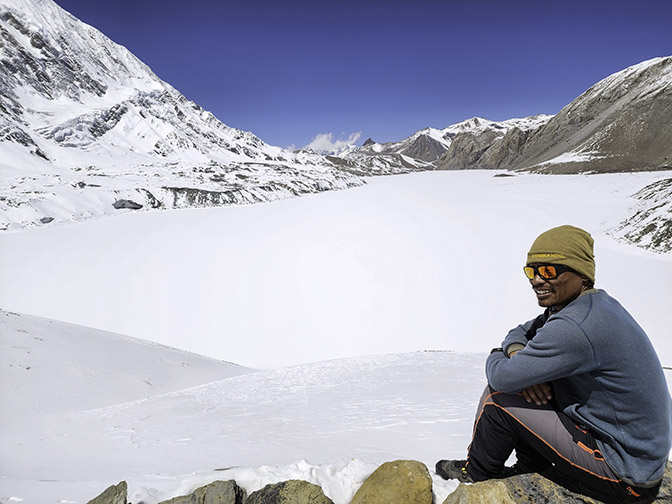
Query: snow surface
x=340, y=295
x=331, y=423
x=401, y=264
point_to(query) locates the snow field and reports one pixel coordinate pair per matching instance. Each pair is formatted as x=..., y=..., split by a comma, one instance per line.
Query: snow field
x=425, y=261
x=337, y=296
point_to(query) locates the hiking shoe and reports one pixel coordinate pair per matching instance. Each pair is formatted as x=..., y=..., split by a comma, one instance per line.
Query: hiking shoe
x=454, y=469
x=514, y=470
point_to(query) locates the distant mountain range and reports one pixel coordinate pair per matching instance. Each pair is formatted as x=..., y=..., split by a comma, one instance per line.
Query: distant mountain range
x=424, y=149
x=87, y=129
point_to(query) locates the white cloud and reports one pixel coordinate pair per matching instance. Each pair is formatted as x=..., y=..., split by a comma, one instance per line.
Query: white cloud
x=324, y=142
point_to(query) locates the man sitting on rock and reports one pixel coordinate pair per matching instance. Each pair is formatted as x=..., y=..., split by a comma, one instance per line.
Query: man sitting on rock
x=579, y=392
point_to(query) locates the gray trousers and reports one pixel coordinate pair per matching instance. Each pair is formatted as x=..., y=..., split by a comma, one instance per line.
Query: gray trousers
x=546, y=441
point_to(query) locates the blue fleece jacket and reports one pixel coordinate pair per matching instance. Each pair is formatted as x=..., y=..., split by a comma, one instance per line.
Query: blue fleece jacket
x=605, y=375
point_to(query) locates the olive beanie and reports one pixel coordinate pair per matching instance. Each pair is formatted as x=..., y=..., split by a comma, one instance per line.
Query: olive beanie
x=566, y=245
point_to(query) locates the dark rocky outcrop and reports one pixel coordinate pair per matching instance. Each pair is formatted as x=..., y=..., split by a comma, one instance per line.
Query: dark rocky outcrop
x=289, y=492
x=127, y=204
x=468, y=149
x=424, y=148
x=217, y=492
x=398, y=482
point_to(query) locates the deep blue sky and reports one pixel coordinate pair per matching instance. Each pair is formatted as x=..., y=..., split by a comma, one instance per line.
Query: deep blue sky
x=288, y=70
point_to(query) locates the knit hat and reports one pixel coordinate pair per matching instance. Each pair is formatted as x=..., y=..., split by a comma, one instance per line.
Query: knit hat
x=567, y=245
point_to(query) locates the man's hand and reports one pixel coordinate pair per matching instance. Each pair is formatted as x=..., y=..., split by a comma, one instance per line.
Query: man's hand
x=538, y=394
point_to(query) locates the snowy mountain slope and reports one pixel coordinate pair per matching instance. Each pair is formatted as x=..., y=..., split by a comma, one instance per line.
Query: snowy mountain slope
x=53, y=367
x=84, y=123
x=329, y=422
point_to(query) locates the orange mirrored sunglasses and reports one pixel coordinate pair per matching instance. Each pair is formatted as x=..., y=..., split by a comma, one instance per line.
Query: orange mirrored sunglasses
x=546, y=271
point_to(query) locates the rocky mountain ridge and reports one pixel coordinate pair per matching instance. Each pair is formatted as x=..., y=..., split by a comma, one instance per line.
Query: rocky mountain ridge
x=425, y=147
x=621, y=124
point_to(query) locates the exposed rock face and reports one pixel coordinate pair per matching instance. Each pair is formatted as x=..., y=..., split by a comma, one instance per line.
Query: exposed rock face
x=507, y=149
x=622, y=123
x=289, y=492
x=533, y=488
x=217, y=492
x=115, y=494
x=425, y=148
x=398, y=482
x=468, y=149
x=124, y=203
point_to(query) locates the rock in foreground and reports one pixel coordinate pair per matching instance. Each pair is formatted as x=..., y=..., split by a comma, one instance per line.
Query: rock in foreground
x=217, y=492
x=534, y=488
x=289, y=492
x=116, y=494
x=398, y=482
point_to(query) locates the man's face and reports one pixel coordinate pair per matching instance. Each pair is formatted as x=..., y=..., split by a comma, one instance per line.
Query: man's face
x=559, y=291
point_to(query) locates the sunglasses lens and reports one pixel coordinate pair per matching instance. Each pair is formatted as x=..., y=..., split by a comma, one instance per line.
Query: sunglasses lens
x=548, y=272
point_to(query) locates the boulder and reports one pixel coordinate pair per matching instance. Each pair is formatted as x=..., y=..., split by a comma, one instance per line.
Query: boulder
x=124, y=203
x=217, y=492
x=289, y=492
x=532, y=488
x=398, y=482
x=116, y=494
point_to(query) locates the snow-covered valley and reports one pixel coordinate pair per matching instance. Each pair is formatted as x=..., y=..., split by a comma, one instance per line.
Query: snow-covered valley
x=311, y=338
x=371, y=311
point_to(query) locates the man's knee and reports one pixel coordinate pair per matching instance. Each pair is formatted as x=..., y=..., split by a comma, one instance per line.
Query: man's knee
x=504, y=400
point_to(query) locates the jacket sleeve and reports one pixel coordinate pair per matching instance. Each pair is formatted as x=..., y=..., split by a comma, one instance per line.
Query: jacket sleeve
x=558, y=349
x=521, y=334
